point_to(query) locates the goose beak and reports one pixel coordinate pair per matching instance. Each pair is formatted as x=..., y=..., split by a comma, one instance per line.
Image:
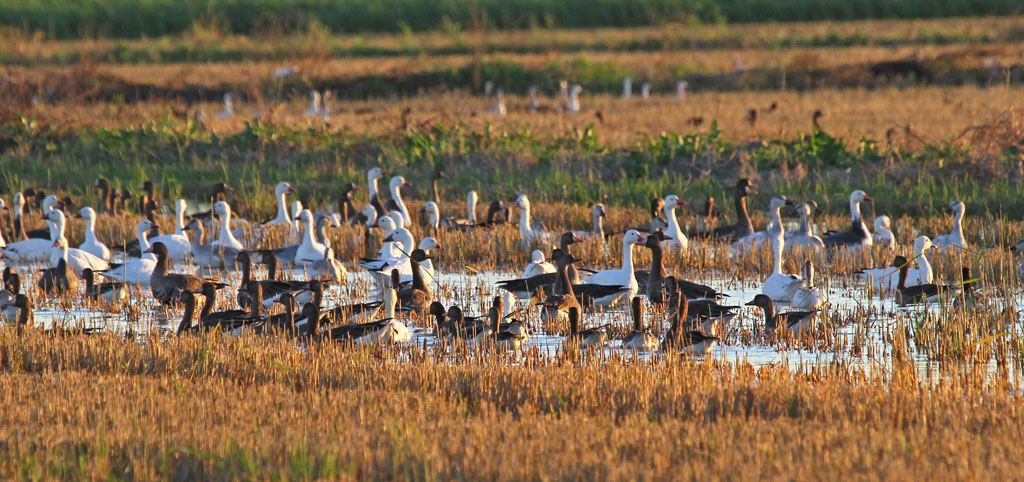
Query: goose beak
x=290, y=189
x=56, y=244
x=388, y=239
x=407, y=183
x=750, y=303
x=789, y=203
x=868, y=198
x=666, y=238
x=148, y=250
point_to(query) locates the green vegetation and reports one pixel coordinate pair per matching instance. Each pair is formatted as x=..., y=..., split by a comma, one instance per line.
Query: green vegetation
x=154, y=18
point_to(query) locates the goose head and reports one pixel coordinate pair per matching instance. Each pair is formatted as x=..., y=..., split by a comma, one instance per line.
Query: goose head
x=86, y=213
x=221, y=208
x=142, y=227
x=778, y=201
x=883, y=222
x=922, y=244
x=860, y=196
x=193, y=225
x=568, y=238
x=672, y=201
x=898, y=262
x=633, y=237
x=436, y=310
x=955, y=207
x=376, y=173
x=537, y=256
x=657, y=204
x=305, y=216
x=370, y=213
x=523, y=202
x=50, y=201
x=55, y=216
x=760, y=301
x=387, y=224
x=745, y=188
x=283, y=188
x=401, y=236
x=428, y=243
x=430, y=207
x=157, y=249
x=654, y=239
x=598, y=210
x=397, y=182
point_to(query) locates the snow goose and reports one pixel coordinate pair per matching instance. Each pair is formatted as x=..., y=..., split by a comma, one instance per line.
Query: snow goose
x=743, y=227
x=110, y=292
x=794, y=321
x=677, y=338
x=597, y=214
x=573, y=106
x=50, y=203
x=640, y=339
x=205, y=254
x=77, y=259
x=955, y=239
x=681, y=91
x=30, y=250
x=470, y=221
x=498, y=108
x=676, y=239
x=226, y=238
x=178, y=245
x=371, y=182
x=779, y=286
x=314, y=107
x=281, y=192
x=396, y=203
x=403, y=265
x=229, y=107
x=310, y=249
x=136, y=271
x=538, y=265
x=327, y=268
x=858, y=235
x=92, y=245
x=627, y=87
x=883, y=233
x=433, y=216
x=886, y=279
x=526, y=232
x=803, y=237
x=166, y=286
x=61, y=277
x=623, y=276
x=754, y=240
x=809, y=297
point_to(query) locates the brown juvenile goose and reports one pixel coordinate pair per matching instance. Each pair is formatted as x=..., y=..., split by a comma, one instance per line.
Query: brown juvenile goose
x=166, y=286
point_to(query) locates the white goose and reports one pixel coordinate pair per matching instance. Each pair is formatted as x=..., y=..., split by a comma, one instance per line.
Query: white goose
x=809, y=297
x=679, y=240
x=573, y=105
x=31, y=249
x=538, y=265
x=623, y=276
x=498, y=108
x=803, y=237
x=883, y=232
x=526, y=232
x=371, y=182
x=779, y=286
x=433, y=215
x=229, y=107
x=627, y=87
x=92, y=245
x=77, y=259
x=396, y=195
x=681, y=91
x=886, y=279
x=857, y=236
x=955, y=239
x=136, y=270
x=177, y=243
x=310, y=249
x=226, y=238
x=326, y=268
x=645, y=90
x=281, y=192
x=314, y=107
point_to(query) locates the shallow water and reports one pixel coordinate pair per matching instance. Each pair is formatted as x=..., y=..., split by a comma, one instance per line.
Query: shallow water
x=875, y=317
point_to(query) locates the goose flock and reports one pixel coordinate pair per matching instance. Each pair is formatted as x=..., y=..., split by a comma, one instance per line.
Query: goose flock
x=404, y=272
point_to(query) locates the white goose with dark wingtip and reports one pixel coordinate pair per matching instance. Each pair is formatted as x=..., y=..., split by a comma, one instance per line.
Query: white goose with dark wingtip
x=678, y=240
x=858, y=235
x=779, y=286
x=955, y=239
x=624, y=276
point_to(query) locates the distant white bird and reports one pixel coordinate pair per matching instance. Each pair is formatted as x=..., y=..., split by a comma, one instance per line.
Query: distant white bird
x=314, y=108
x=573, y=106
x=499, y=107
x=681, y=91
x=229, y=107
x=488, y=88
x=534, y=105
x=645, y=90
x=283, y=72
x=627, y=87
x=326, y=111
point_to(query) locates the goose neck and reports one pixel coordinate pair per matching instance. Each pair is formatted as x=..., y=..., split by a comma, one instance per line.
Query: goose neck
x=777, y=244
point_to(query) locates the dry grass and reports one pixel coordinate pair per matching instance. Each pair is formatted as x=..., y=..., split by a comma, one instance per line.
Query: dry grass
x=206, y=407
